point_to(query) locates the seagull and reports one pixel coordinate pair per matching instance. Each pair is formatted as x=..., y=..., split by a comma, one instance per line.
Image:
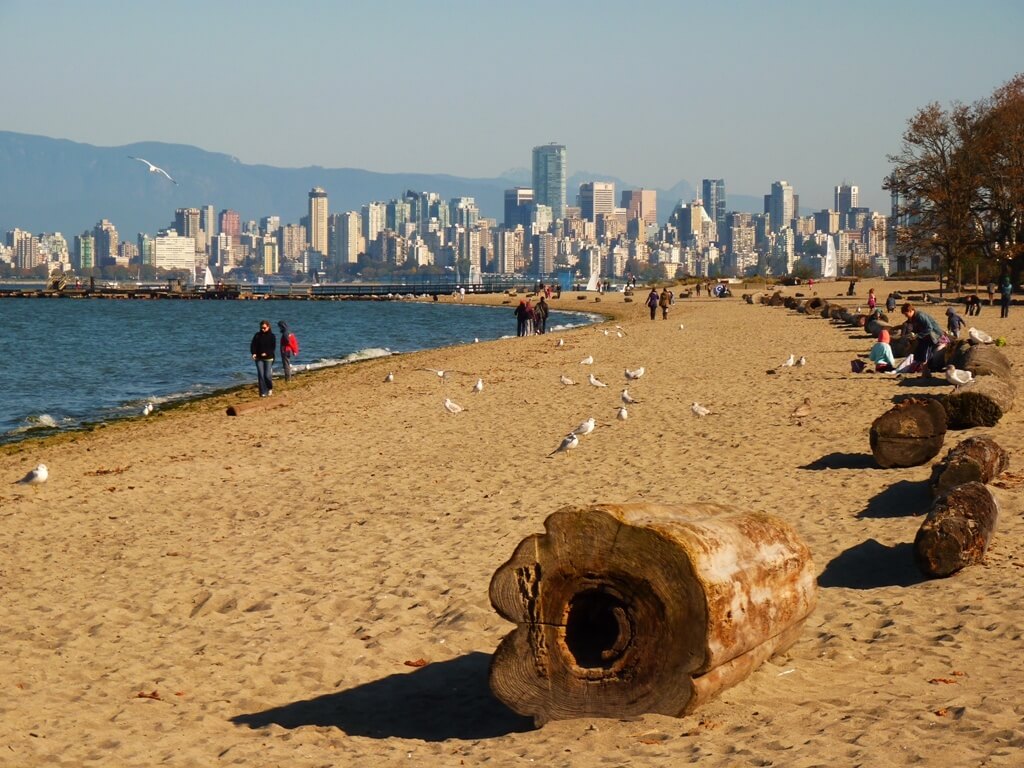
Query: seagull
x=802, y=360
x=620, y=334
x=699, y=410
x=569, y=442
x=560, y=343
x=979, y=336
x=476, y=340
x=596, y=381
x=479, y=386
x=452, y=407
x=958, y=377
x=36, y=477
x=390, y=378
x=803, y=410
x=681, y=326
x=440, y=374
x=585, y=427
x=147, y=409
x=634, y=375
x=588, y=360
x=628, y=398
x=790, y=361
x=566, y=380
x=153, y=168
x=621, y=413
x=620, y=329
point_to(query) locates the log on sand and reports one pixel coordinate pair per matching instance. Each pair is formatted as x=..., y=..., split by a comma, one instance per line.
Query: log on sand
x=976, y=459
x=981, y=403
x=263, y=404
x=957, y=531
x=633, y=608
x=983, y=360
x=908, y=434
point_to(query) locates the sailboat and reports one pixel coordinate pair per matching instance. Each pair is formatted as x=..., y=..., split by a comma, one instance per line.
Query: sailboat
x=208, y=281
x=829, y=268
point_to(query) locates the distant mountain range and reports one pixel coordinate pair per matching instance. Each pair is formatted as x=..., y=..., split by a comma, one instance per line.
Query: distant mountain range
x=56, y=185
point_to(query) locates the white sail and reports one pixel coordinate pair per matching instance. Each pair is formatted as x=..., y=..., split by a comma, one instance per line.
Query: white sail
x=829, y=268
x=208, y=279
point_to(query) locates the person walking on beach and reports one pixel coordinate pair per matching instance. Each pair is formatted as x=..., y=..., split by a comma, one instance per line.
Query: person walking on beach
x=289, y=348
x=954, y=323
x=540, y=313
x=872, y=301
x=652, y=302
x=1005, y=292
x=521, y=314
x=991, y=288
x=262, y=348
x=663, y=301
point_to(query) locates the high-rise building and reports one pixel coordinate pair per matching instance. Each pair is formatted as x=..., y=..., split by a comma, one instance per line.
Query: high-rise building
x=781, y=206
x=25, y=247
x=208, y=222
x=174, y=251
x=269, y=225
x=847, y=197
x=348, y=237
x=517, y=208
x=549, y=175
x=641, y=204
x=827, y=221
x=713, y=195
x=318, y=220
x=596, y=198
x=106, y=242
x=291, y=240
x=231, y=223
x=374, y=216
x=463, y=211
x=85, y=251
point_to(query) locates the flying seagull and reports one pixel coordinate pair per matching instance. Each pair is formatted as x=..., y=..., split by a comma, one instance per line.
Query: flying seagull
x=153, y=168
x=36, y=477
x=568, y=443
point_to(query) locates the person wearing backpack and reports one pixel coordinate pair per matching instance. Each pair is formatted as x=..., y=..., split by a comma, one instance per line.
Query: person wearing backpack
x=289, y=348
x=652, y=302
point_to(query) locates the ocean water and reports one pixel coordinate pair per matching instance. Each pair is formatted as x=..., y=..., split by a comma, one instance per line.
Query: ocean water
x=76, y=362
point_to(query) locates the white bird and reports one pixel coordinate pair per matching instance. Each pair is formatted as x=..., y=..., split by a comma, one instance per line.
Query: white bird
x=588, y=360
x=634, y=375
x=979, y=336
x=628, y=398
x=476, y=341
x=153, y=168
x=479, y=386
x=566, y=380
x=620, y=329
x=440, y=374
x=390, y=377
x=681, y=326
x=569, y=442
x=699, y=410
x=791, y=360
x=560, y=343
x=36, y=477
x=622, y=414
x=605, y=331
x=803, y=410
x=452, y=407
x=620, y=334
x=802, y=360
x=147, y=409
x=585, y=427
x=596, y=381
x=958, y=377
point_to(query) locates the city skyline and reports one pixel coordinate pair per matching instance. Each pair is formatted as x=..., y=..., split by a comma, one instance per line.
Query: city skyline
x=808, y=92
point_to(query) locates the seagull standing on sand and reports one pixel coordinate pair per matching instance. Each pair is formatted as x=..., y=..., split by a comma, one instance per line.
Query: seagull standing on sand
x=390, y=378
x=36, y=477
x=585, y=427
x=802, y=360
x=147, y=409
x=154, y=168
x=566, y=380
x=634, y=375
x=628, y=398
x=979, y=336
x=596, y=381
x=621, y=413
x=803, y=410
x=790, y=361
x=958, y=377
x=479, y=386
x=452, y=407
x=588, y=360
x=699, y=410
x=560, y=343
x=568, y=443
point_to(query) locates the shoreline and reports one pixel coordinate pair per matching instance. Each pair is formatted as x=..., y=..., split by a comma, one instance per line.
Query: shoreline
x=308, y=584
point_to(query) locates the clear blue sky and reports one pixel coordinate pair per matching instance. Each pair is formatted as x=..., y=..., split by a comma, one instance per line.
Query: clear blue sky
x=649, y=91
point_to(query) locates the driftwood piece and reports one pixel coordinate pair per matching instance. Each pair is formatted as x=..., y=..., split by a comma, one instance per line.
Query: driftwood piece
x=909, y=434
x=981, y=403
x=983, y=360
x=635, y=608
x=976, y=459
x=263, y=404
x=814, y=305
x=957, y=531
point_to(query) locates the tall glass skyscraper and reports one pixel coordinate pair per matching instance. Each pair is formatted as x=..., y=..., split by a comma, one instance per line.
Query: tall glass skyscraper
x=549, y=177
x=713, y=196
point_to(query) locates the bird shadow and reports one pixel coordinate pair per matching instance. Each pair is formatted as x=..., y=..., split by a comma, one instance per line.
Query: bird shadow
x=870, y=565
x=444, y=700
x=843, y=461
x=904, y=498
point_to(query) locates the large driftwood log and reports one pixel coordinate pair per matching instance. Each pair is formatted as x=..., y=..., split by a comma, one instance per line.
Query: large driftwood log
x=976, y=459
x=957, y=531
x=983, y=360
x=263, y=404
x=814, y=305
x=981, y=403
x=909, y=434
x=634, y=608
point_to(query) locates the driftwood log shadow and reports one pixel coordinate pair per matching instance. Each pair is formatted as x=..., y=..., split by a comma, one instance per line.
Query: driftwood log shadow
x=904, y=498
x=870, y=565
x=443, y=700
x=843, y=461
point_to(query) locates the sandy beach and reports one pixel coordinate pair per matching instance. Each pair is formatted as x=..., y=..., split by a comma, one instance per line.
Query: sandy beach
x=194, y=589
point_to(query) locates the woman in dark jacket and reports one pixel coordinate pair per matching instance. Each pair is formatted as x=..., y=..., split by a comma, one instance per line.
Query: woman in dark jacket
x=262, y=347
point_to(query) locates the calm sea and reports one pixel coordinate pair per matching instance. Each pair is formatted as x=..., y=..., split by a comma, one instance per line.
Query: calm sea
x=76, y=362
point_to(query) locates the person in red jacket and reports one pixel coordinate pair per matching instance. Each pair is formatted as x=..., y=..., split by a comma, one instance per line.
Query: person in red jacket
x=289, y=348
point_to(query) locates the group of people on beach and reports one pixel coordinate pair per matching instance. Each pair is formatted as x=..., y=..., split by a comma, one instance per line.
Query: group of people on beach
x=664, y=300
x=263, y=349
x=531, y=318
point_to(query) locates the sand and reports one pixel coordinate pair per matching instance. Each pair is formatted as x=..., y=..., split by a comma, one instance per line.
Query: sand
x=261, y=590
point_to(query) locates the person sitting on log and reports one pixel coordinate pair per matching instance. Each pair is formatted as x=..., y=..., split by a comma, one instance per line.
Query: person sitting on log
x=926, y=331
x=881, y=354
x=954, y=323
